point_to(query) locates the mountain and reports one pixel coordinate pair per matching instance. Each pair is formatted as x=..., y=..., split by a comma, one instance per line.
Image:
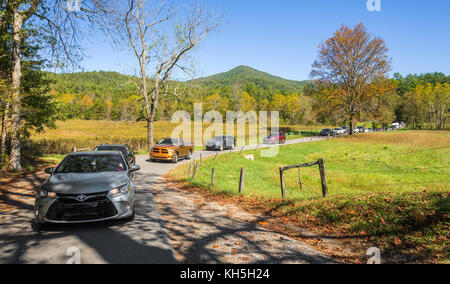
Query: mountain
x=103, y=85
x=244, y=75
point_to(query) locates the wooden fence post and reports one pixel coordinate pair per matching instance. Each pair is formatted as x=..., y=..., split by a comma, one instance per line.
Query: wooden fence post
x=201, y=160
x=217, y=154
x=300, y=177
x=190, y=170
x=195, y=169
x=213, y=173
x=283, y=193
x=323, y=177
x=241, y=150
x=242, y=181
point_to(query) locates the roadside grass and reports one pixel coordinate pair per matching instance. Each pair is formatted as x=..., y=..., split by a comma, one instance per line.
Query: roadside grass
x=392, y=188
x=90, y=133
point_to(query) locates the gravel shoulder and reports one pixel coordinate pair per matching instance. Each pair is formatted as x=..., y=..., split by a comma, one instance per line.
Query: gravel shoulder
x=205, y=231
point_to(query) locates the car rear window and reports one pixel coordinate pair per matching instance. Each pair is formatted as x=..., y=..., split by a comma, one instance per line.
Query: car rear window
x=113, y=148
x=92, y=164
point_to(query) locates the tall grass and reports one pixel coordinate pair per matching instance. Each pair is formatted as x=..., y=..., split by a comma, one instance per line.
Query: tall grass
x=85, y=134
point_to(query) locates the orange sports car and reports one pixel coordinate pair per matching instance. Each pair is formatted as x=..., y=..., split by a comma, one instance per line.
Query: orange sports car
x=171, y=149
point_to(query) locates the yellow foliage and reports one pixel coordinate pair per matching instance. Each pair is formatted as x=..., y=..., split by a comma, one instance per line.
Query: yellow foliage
x=87, y=101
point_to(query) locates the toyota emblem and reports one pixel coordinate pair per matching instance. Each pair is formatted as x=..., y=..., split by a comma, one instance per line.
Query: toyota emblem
x=81, y=197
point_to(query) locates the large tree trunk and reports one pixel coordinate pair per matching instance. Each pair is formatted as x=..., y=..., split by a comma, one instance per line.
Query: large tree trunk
x=150, y=135
x=351, y=124
x=4, y=133
x=153, y=109
x=14, y=162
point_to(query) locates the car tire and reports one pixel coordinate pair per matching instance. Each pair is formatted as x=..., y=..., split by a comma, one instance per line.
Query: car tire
x=36, y=226
x=221, y=148
x=175, y=158
x=189, y=155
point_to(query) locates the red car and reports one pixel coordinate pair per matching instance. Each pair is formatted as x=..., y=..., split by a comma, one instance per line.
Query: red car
x=275, y=138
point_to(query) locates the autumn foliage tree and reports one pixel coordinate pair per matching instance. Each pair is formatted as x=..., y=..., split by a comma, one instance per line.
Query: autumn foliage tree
x=348, y=63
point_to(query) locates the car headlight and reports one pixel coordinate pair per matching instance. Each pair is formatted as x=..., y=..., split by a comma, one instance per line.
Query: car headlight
x=44, y=193
x=124, y=189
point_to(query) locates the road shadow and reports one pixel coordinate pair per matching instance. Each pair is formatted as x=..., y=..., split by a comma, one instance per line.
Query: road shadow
x=141, y=241
x=201, y=234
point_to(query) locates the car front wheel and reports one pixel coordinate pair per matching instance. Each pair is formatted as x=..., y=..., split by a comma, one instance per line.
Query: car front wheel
x=189, y=155
x=175, y=158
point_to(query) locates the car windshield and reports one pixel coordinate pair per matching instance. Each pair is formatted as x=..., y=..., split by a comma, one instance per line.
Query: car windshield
x=168, y=141
x=91, y=164
x=273, y=135
x=326, y=130
x=218, y=138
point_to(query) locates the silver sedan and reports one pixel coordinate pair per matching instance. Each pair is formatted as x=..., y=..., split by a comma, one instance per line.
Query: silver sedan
x=87, y=187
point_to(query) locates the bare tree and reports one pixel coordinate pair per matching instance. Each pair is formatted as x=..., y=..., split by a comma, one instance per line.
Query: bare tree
x=161, y=38
x=348, y=62
x=59, y=31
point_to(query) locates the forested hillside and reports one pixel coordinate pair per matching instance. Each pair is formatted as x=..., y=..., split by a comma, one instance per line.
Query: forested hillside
x=252, y=78
x=111, y=95
x=421, y=100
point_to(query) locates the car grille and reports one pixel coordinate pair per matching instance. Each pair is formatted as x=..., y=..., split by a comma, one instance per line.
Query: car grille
x=163, y=151
x=68, y=209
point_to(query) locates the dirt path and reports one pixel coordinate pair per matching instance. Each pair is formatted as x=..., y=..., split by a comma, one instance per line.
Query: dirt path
x=202, y=231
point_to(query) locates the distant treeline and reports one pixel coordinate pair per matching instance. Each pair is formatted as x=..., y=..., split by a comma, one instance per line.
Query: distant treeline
x=419, y=99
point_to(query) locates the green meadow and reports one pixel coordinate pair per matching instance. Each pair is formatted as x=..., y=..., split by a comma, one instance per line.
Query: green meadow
x=390, y=186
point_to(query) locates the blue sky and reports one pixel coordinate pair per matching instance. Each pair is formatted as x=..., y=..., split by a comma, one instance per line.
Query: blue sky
x=281, y=37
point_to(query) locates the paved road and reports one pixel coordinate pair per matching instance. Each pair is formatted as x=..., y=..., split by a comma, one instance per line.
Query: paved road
x=143, y=240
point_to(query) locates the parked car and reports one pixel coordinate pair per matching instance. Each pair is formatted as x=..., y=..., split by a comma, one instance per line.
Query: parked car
x=220, y=143
x=362, y=129
x=171, y=149
x=338, y=131
x=326, y=132
x=275, y=138
x=127, y=154
x=346, y=129
x=87, y=187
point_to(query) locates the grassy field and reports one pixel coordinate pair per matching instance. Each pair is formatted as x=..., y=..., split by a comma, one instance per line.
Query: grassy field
x=84, y=134
x=393, y=187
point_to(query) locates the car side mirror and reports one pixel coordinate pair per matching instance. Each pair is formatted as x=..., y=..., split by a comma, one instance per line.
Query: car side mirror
x=135, y=168
x=49, y=170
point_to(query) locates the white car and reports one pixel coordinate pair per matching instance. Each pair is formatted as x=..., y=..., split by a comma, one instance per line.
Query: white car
x=338, y=131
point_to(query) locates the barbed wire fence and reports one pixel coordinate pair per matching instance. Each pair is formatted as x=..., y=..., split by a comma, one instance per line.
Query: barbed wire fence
x=305, y=179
